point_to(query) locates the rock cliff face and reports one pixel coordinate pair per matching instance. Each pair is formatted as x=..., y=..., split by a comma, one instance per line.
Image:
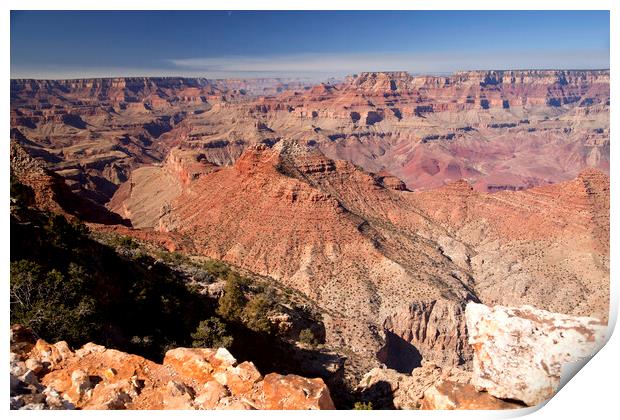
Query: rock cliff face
x=436, y=328
x=52, y=194
x=94, y=377
x=502, y=130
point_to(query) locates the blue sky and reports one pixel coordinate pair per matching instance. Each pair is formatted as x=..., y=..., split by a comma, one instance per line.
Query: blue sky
x=56, y=44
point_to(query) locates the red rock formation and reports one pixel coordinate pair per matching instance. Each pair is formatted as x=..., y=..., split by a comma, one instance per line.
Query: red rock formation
x=95, y=378
x=52, y=194
x=339, y=235
x=501, y=129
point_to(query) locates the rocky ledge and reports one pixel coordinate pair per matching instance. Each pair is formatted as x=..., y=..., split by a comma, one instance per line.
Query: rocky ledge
x=52, y=376
x=518, y=360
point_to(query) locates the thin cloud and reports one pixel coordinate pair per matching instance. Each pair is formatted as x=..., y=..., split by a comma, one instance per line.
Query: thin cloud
x=352, y=63
x=321, y=66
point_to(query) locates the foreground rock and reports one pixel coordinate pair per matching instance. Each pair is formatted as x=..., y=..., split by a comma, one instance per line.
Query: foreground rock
x=387, y=388
x=519, y=352
x=95, y=377
x=449, y=395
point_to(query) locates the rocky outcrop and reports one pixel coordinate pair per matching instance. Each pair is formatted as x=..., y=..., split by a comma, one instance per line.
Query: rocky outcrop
x=435, y=329
x=387, y=388
x=449, y=395
x=50, y=193
x=519, y=352
x=94, y=377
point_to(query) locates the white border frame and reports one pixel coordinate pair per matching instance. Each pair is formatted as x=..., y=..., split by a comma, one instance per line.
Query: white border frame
x=592, y=394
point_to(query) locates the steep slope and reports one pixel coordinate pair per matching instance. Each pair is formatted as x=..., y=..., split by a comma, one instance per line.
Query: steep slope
x=255, y=216
x=51, y=193
x=375, y=256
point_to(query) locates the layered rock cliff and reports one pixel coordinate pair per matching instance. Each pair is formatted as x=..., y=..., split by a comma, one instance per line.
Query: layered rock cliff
x=503, y=130
x=520, y=355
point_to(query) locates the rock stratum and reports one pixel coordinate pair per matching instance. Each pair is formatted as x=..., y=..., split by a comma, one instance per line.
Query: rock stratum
x=501, y=130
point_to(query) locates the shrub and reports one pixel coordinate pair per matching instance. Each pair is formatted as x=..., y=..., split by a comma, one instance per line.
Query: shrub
x=211, y=333
x=124, y=242
x=256, y=312
x=67, y=286
x=362, y=406
x=216, y=268
x=306, y=336
x=232, y=302
x=61, y=307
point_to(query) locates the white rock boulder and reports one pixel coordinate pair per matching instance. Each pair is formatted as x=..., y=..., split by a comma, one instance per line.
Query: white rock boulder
x=519, y=352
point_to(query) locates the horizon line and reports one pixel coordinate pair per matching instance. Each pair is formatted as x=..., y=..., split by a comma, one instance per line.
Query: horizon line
x=414, y=74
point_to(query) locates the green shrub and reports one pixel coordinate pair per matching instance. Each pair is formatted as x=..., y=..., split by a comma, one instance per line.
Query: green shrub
x=362, y=406
x=306, y=336
x=216, y=268
x=60, y=306
x=256, y=312
x=232, y=302
x=211, y=333
x=67, y=286
x=124, y=242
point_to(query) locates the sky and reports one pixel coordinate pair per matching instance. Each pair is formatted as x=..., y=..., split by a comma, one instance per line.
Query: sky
x=310, y=44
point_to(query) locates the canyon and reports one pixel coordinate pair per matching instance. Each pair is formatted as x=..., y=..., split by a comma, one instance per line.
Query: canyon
x=390, y=202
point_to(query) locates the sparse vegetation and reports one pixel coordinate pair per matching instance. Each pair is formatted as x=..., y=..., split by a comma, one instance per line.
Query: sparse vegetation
x=211, y=333
x=126, y=242
x=362, y=406
x=251, y=312
x=216, y=268
x=63, y=306
x=255, y=314
x=306, y=336
x=67, y=286
x=232, y=302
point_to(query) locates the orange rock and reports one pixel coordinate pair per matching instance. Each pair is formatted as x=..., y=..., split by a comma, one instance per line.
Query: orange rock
x=210, y=395
x=193, y=363
x=96, y=378
x=241, y=379
x=449, y=395
x=52, y=354
x=292, y=392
